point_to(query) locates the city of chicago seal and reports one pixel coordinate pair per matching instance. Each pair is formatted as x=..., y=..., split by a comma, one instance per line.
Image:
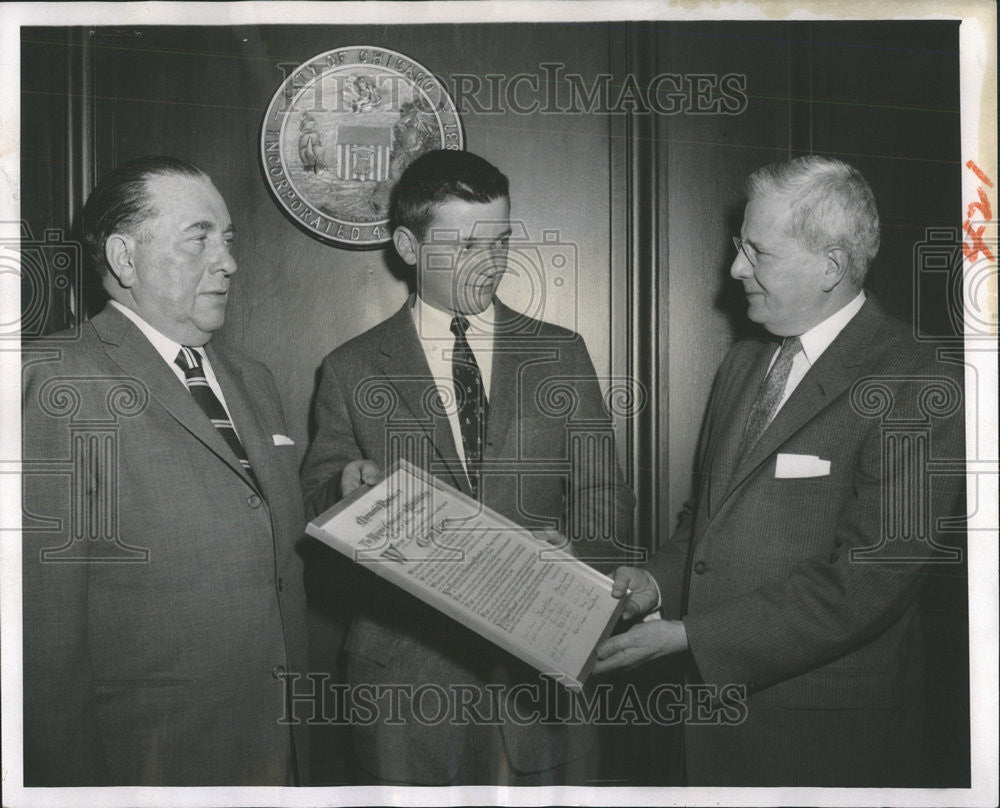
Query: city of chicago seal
x=341, y=129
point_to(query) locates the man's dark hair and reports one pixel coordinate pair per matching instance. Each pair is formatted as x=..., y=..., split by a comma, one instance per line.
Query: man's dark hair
x=438, y=176
x=120, y=203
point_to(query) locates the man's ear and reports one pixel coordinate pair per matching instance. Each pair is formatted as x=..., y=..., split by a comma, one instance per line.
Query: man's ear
x=406, y=244
x=836, y=268
x=119, y=250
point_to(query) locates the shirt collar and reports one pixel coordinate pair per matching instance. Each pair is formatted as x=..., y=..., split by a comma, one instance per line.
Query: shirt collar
x=433, y=323
x=164, y=346
x=818, y=338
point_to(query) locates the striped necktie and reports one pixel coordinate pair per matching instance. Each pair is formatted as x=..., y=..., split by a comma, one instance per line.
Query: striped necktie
x=473, y=409
x=769, y=395
x=189, y=360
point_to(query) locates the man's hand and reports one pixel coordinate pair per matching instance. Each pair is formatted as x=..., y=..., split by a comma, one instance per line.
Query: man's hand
x=358, y=473
x=644, y=595
x=640, y=644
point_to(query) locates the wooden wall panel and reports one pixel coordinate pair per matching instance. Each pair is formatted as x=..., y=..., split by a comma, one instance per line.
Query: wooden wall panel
x=201, y=95
x=706, y=158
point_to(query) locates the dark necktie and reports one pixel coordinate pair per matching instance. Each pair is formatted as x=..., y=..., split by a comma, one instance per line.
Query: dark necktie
x=473, y=409
x=769, y=395
x=189, y=360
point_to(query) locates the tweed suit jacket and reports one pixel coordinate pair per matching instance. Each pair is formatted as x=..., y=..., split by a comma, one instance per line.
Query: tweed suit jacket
x=802, y=589
x=163, y=594
x=544, y=401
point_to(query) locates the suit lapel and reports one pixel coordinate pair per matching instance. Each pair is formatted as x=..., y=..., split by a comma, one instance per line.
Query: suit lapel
x=832, y=374
x=504, y=378
x=738, y=400
x=128, y=348
x=405, y=367
x=239, y=402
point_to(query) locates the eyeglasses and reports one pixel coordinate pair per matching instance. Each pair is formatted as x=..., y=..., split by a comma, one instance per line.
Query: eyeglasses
x=741, y=247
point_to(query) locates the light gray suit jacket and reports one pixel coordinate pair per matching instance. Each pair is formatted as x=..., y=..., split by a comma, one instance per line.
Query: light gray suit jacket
x=549, y=461
x=803, y=590
x=163, y=596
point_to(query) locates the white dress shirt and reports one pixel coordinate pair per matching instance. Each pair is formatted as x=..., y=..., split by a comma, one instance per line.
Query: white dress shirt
x=816, y=340
x=168, y=350
x=434, y=332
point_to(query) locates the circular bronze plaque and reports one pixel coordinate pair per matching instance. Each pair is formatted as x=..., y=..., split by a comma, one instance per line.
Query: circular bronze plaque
x=341, y=129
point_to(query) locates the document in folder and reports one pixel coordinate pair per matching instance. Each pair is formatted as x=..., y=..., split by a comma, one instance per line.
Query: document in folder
x=474, y=565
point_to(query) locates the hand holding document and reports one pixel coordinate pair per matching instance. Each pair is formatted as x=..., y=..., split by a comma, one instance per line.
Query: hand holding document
x=356, y=474
x=641, y=644
x=531, y=599
x=638, y=589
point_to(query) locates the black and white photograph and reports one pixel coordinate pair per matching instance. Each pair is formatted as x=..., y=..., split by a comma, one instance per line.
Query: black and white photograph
x=499, y=403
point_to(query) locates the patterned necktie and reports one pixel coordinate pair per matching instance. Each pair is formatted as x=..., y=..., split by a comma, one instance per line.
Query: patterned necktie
x=189, y=360
x=473, y=409
x=769, y=396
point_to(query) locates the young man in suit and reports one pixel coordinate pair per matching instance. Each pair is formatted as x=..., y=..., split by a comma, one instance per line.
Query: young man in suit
x=501, y=406
x=796, y=581
x=163, y=597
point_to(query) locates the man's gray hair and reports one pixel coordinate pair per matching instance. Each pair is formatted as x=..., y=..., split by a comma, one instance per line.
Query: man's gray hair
x=832, y=204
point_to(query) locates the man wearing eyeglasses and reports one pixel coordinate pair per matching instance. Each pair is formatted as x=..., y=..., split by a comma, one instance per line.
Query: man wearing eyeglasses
x=792, y=591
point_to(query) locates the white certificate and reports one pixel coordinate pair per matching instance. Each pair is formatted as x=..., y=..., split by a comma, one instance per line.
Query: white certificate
x=531, y=599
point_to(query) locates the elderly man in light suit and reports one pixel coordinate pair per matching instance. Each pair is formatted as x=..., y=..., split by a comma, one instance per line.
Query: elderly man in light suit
x=163, y=596
x=791, y=581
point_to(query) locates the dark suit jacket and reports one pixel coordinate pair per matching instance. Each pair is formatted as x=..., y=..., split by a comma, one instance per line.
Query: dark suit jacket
x=778, y=597
x=161, y=588
x=549, y=461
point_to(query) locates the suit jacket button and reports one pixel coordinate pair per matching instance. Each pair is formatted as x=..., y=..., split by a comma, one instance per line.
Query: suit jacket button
x=253, y=501
x=699, y=567
x=278, y=671
x=281, y=584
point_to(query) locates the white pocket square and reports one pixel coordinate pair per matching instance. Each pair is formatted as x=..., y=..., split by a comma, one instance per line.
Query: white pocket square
x=282, y=440
x=796, y=465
